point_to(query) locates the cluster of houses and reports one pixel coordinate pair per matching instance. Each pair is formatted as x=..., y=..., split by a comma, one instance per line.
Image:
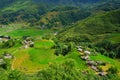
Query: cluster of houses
x=5, y=56
x=27, y=43
x=92, y=64
x=4, y=38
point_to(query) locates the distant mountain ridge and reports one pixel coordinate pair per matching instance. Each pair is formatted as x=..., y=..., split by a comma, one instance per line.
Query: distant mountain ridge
x=32, y=11
x=67, y=1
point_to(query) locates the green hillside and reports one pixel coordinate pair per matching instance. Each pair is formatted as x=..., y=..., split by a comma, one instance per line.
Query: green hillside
x=102, y=23
x=101, y=32
x=21, y=10
x=63, y=17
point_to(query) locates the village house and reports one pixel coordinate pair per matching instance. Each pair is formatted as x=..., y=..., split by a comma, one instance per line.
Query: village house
x=55, y=33
x=100, y=63
x=95, y=68
x=8, y=56
x=91, y=63
x=102, y=73
x=27, y=43
x=85, y=58
x=4, y=38
x=80, y=50
x=87, y=52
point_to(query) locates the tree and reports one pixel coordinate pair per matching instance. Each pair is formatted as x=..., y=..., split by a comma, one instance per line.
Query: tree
x=16, y=75
x=112, y=70
x=8, y=44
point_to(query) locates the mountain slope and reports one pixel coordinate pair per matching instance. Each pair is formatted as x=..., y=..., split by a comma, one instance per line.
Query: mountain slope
x=62, y=16
x=102, y=23
x=21, y=11
x=31, y=11
x=100, y=32
x=107, y=6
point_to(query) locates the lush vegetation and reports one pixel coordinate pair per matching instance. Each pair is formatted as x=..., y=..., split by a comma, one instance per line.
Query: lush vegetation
x=65, y=70
x=38, y=13
x=92, y=28
x=53, y=40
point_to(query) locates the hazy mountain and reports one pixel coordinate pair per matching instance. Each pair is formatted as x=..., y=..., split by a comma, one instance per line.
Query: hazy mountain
x=32, y=11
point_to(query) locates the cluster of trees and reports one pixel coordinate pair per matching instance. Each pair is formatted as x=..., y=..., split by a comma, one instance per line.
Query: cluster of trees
x=66, y=17
x=8, y=44
x=6, y=64
x=108, y=48
x=113, y=4
x=62, y=48
x=79, y=38
x=64, y=71
x=64, y=8
x=27, y=15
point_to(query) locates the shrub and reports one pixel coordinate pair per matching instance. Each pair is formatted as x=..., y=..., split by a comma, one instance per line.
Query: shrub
x=112, y=70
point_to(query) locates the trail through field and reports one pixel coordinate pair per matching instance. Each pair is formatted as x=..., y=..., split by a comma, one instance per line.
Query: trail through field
x=13, y=63
x=13, y=60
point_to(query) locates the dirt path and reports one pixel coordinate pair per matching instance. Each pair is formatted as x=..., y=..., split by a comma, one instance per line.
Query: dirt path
x=13, y=63
x=13, y=60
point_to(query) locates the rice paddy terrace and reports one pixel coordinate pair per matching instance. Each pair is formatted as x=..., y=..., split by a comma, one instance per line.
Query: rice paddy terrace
x=34, y=59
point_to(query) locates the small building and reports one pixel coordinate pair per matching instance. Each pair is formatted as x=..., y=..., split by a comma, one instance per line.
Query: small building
x=85, y=58
x=91, y=63
x=55, y=33
x=80, y=49
x=8, y=56
x=95, y=68
x=4, y=38
x=7, y=37
x=87, y=52
x=102, y=73
x=27, y=43
x=100, y=63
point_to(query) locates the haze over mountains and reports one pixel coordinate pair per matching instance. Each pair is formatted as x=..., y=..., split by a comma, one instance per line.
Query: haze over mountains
x=32, y=11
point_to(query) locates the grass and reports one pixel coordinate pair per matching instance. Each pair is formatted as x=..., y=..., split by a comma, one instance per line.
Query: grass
x=11, y=27
x=16, y=6
x=41, y=55
x=34, y=59
x=44, y=44
x=109, y=61
x=79, y=62
x=27, y=32
x=115, y=37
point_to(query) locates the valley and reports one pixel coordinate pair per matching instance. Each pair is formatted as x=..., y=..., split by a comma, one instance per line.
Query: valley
x=60, y=40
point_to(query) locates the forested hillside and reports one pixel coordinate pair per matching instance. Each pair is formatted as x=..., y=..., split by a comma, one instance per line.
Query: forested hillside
x=33, y=11
x=100, y=30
